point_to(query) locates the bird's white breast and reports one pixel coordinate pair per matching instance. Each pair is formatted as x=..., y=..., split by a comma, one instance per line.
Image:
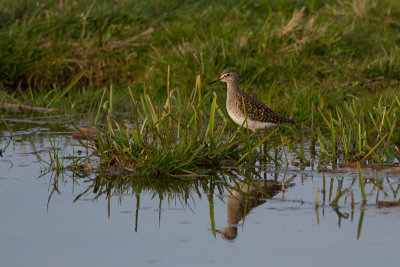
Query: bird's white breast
x=239, y=119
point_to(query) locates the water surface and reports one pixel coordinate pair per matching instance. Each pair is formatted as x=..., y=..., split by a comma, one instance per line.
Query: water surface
x=238, y=218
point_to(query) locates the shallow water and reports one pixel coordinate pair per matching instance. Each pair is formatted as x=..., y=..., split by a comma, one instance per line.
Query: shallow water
x=221, y=221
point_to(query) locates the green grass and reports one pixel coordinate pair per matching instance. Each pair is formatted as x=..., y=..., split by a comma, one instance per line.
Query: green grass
x=195, y=136
x=332, y=66
x=273, y=44
x=180, y=137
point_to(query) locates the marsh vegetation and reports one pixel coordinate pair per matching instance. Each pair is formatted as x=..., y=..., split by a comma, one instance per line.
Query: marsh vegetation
x=331, y=66
x=105, y=104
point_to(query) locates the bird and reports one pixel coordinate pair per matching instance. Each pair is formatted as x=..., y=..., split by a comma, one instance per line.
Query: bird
x=241, y=105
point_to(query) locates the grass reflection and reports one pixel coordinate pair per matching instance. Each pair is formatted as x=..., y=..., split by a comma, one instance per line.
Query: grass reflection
x=241, y=191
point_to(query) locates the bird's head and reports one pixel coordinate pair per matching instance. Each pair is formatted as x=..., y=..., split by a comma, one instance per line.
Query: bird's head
x=226, y=77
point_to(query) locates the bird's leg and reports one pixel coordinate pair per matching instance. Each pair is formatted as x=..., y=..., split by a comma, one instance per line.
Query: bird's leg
x=276, y=148
x=265, y=147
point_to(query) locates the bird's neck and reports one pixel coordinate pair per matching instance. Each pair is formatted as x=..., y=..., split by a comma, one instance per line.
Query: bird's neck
x=232, y=88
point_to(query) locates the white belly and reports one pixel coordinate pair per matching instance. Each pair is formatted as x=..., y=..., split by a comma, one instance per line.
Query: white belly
x=256, y=125
x=253, y=125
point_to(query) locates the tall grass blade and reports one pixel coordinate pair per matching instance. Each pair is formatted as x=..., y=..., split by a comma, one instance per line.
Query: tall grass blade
x=374, y=148
x=198, y=86
x=100, y=105
x=361, y=183
x=335, y=201
x=66, y=89
x=317, y=197
x=259, y=143
x=301, y=156
x=210, y=128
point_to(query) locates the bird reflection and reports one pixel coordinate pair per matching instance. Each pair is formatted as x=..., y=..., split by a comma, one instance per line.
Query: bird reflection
x=242, y=199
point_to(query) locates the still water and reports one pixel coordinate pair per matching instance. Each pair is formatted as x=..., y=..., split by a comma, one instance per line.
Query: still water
x=264, y=216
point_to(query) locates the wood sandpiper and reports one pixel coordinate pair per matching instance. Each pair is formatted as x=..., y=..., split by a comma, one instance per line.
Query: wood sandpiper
x=259, y=116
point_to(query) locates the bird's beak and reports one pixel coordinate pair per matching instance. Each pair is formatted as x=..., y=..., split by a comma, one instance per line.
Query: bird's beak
x=216, y=80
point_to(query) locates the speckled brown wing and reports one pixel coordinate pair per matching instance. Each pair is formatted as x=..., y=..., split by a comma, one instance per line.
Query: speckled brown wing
x=256, y=110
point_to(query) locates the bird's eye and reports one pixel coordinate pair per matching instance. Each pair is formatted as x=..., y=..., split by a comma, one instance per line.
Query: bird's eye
x=228, y=74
